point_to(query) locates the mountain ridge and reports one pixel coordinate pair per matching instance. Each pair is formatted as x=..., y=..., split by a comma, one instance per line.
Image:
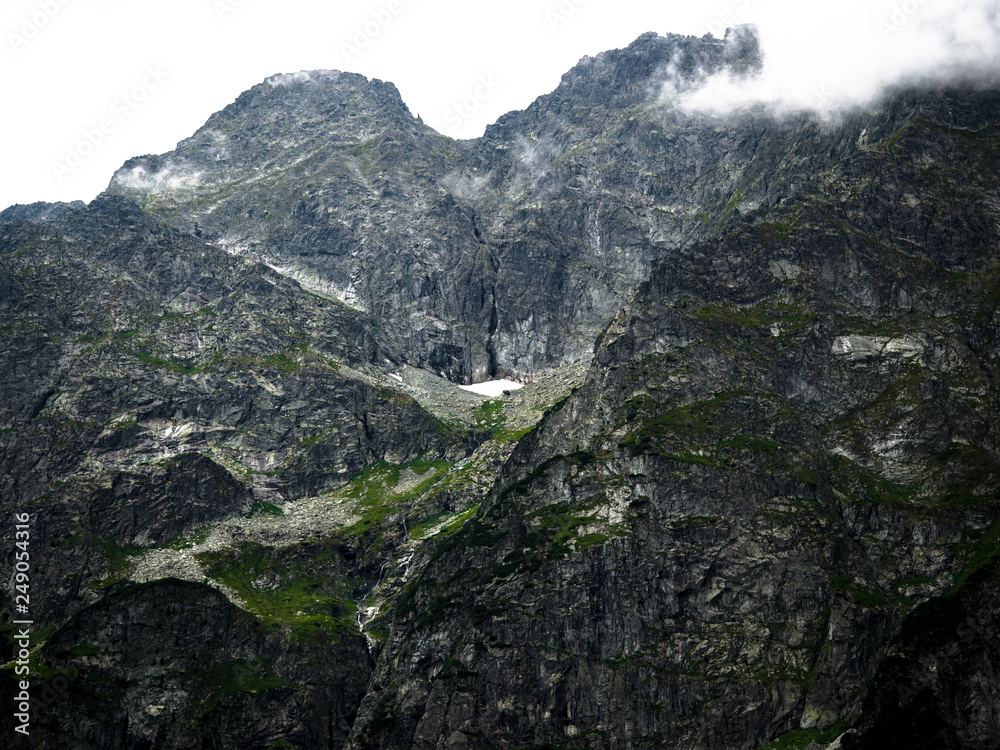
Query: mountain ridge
x=747, y=499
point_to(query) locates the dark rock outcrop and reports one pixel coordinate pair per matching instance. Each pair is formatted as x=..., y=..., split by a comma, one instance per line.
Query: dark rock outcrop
x=157, y=664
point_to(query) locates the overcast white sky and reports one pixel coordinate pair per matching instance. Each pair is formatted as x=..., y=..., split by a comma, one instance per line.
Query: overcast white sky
x=111, y=79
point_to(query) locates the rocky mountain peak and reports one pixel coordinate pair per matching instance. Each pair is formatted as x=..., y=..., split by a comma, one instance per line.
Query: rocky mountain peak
x=626, y=77
x=274, y=125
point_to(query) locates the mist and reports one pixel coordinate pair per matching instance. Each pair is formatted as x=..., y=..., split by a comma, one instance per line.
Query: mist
x=826, y=57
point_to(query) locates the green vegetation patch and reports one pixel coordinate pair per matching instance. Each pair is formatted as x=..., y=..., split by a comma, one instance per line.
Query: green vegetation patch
x=556, y=535
x=178, y=366
x=282, y=362
x=695, y=521
x=296, y=356
x=693, y=424
x=192, y=540
x=512, y=436
x=855, y=481
x=379, y=491
x=717, y=432
x=789, y=315
x=802, y=738
x=86, y=649
x=264, y=508
x=966, y=473
x=489, y=416
x=453, y=523
x=311, y=605
x=88, y=339
x=730, y=209
x=119, y=559
x=868, y=598
x=778, y=230
x=474, y=534
x=977, y=551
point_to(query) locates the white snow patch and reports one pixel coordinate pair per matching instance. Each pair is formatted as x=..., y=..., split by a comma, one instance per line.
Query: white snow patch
x=492, y=388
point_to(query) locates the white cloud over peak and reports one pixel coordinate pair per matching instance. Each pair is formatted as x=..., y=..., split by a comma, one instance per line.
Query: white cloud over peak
x=827, y=56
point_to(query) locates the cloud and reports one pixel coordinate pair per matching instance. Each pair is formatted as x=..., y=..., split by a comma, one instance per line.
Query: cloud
x=171, y=177
x=303, y=76
x=833, y=55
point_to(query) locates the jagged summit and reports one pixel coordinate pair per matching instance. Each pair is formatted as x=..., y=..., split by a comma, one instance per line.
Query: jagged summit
x=40, y=211
x=449, y=244
x=626, y=77
x=271, y=124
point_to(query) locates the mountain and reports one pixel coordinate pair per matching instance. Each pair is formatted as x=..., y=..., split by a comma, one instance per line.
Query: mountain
x=775, y=489
x=746, y=498
x=498, y=257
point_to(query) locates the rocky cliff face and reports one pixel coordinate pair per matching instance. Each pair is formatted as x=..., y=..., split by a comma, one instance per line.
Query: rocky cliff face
x=781, y=465
x=502, y=256
x=153, y=383
x=160, y=664
x=763, y=517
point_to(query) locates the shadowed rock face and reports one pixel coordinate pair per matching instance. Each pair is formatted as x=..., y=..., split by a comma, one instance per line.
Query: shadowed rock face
x=768, y=511
x=160, y=664
x=717, y=539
